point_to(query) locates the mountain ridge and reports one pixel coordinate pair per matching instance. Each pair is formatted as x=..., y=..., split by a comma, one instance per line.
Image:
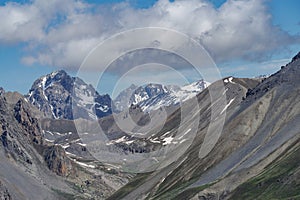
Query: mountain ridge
x=261, y=125
x=152, y=96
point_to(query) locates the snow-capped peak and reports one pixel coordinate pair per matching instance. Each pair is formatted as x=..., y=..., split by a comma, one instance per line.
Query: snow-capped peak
x=197, y=86
x=153, y=96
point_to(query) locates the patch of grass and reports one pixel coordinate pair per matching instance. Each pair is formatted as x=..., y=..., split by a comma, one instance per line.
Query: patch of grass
x=278, y=181
x=138, y=180
x=182, y=193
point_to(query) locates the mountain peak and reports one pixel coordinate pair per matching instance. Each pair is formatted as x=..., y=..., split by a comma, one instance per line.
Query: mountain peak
x=133, y=86
x=296, y=57
x=60, y=73
x=60, y=96
x=2, y=90
x=287, y=76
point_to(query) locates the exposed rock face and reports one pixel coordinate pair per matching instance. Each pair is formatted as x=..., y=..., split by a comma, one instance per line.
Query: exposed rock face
x=122, y=100
x=61, y=96
x=57, y=160
x=8, y=138
x=1, y=91
x=103, y=106
x=29, y=123
x=296, y=57
x=287, y=76
x=27, y=158
x=4, y=193
x=18, y=125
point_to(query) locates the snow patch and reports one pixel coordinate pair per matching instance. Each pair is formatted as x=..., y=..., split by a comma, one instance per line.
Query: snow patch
x=182, y=141
x=65, y=146
x=138, y=98
x=71, y=154
x=103, y=108
x=167, y=140
x=84, y=164
x=129, y=142
x=225, y=91
x=154, y=141
x=229, y=80
x=52, y=111
x=119, y=140
x=77, y=140
x=155, y=159
x=165, y=133
x=227, y=105
x=47, y=140
x=81, y=144
x=49, y=132
x=184, y=134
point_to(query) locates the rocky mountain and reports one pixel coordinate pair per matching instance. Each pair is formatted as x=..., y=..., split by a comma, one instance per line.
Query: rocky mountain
x=61, y=96
x=153, y=96
x=34, y=168
x=122, y=101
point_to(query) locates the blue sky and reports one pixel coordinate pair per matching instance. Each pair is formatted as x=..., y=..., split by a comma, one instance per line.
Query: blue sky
x=36, y=38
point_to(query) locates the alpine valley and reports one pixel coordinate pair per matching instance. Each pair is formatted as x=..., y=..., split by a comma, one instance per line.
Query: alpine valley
x=49, y=143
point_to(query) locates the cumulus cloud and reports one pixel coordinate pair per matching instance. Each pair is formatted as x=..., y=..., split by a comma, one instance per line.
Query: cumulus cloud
x=62, y=32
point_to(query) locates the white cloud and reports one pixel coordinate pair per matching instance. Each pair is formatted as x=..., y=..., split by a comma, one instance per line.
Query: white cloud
x=62, y=32
x=248, y=70
x=29, y=60
x=19, y=23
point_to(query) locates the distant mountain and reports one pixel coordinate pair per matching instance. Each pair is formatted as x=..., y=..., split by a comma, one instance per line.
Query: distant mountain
x=122, y=100
x=153, y=96
x=60, y=96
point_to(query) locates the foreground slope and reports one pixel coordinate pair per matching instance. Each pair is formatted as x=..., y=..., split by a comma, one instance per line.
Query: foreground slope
x=260, y=134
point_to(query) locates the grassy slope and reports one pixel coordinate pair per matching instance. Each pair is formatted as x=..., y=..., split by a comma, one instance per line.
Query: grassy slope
x=280, y=180
x=121, y=193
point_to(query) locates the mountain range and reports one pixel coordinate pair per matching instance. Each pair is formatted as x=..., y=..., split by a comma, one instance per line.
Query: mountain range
x=60, y=96
x=236, y=138
x=153, y=96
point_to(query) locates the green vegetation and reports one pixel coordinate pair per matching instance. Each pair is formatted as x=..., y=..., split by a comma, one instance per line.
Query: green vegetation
x=280, y=180
x=138, y=180
x=181, y=193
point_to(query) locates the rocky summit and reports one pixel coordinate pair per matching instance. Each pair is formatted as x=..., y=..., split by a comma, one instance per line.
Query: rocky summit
x=60, y=96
